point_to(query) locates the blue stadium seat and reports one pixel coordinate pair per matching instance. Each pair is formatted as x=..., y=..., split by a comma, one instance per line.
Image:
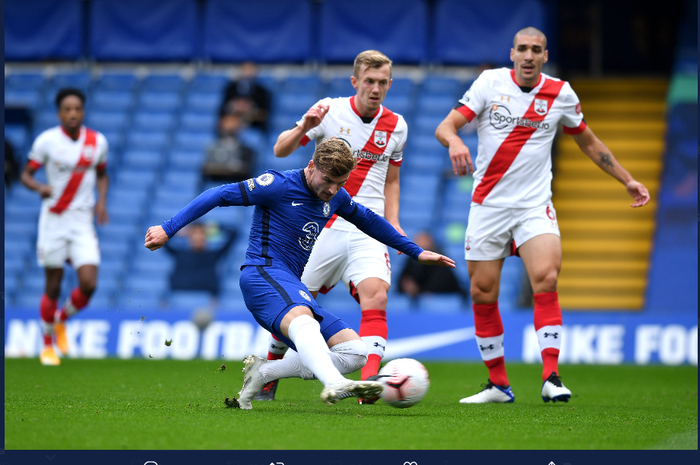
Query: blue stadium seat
x=444, y=86
x=294, y=104
x=125, y=82
x=81, y=80
x=204, y=102
x=211, y=83
x=398, y=303
x=21, y=229
x=145, y=283
x=195, y=141
x=303, y=85
x=21, y=246
x=340, y=87
x=399, y=103
x=15, y=265
x=117, y=232
x=188, y=181
x=16, y=212
x=111, y=101
x=29, y=301
x=155, y=265
x=112, y=121
x=436, y=105
x=186, y=160
x=23, y=98
x=25, y=81
x=159, y=101
x=154, y=121
x=282, y=122
x=147, y=160
x=171, y=83
x=402, y=87
x=144, y=140
x=426, y=124
x=232, y=302
x=199, y=122
x=138, y=302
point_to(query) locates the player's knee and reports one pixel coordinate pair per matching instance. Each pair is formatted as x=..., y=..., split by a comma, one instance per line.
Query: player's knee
x=351, y=355
x=87, y=287
x=483, y=292
x=376, y=300
x=545, y=281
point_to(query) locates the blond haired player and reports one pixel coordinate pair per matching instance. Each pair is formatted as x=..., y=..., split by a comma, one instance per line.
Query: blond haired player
x=376, y=137
x=75, y=159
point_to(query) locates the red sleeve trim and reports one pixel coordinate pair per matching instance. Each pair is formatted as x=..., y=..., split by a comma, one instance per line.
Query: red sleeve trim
x=395, y=162
x=466, y=112
x=34, y=165
x=575, y=131
x=304, y=140
x=102, y=166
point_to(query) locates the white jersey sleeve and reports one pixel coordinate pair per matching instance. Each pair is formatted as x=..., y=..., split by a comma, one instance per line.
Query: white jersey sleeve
x=102, y=150
x=571, y=118
x=477, y=97
x=39, y=153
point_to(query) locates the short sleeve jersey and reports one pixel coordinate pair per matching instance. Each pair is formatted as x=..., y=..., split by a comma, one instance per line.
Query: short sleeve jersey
x=376, y=142
x=516, y=130
x=71, y=166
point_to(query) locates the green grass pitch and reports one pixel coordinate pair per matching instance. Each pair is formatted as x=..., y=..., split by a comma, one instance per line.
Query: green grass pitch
x=174, y=405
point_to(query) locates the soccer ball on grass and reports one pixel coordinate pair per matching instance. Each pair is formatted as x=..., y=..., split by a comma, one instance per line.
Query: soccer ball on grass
x=405, y=382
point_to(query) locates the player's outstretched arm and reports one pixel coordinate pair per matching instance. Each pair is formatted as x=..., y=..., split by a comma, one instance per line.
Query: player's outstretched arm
x=601, y=155
x=155, y=238
x=290, y=140
x=431, y=258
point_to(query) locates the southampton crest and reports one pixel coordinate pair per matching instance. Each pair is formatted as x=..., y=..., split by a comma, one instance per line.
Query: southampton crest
x=540, y=106
x=380, y=138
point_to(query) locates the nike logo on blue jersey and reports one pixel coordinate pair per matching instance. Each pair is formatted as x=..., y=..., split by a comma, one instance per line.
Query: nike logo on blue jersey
x=296, y=204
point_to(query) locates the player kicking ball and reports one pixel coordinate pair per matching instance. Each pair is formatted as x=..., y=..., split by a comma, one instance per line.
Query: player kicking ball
x=291, y=209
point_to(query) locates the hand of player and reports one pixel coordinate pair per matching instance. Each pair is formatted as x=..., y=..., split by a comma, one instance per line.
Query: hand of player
x=101, y=213
x=45, y=191
x=639, y=193
x=461, y=159
x=314, y=116
x=155, y=238
x=431, y=258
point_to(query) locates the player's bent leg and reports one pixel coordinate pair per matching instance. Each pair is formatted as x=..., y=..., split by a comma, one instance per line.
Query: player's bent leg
x=47, y=312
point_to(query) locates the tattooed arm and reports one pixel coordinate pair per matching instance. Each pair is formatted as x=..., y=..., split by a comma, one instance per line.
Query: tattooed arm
x=603, y=157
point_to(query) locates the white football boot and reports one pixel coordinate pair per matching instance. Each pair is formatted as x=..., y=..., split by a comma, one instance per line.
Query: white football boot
x=339, y=391
x=490, y=393
x=553, y=390
x=252, y=381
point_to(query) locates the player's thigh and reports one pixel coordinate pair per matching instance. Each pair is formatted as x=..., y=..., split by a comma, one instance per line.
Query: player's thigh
x=52, y=244
x=489, y=233
x=368, y=258
x=538, y=240
x=327, y=261
x=485, y=276
x=84, y=246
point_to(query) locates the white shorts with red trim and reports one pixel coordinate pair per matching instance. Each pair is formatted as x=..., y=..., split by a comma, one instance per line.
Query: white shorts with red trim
x=69, y=236
x=347, y=256
x=494, y=232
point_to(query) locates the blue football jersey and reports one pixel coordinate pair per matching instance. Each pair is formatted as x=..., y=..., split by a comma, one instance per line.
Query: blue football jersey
x=288, y=218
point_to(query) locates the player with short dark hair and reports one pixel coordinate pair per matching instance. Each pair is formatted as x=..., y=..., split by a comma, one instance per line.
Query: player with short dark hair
x=377, y=137
x=291, y=208
x=75, y=159
x=518, y=112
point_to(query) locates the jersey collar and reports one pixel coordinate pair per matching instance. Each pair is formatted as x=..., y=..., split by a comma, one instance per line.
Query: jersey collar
x=512, y=75
x=82, y=130
x=302, y=173
x=354, y=108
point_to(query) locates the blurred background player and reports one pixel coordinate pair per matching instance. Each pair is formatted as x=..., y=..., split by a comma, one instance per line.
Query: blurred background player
x=75, y=159
x=291, y=208
x=518, y=112
x=376, y=137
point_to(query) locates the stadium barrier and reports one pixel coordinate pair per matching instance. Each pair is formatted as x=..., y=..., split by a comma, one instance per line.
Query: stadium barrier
x=588, y=338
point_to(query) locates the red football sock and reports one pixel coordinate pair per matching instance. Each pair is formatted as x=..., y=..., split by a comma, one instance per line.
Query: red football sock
x=78, y=301
x=47, y=310
x=374, y=331
x=279, y=351
x=489, y=335
x=548, y=319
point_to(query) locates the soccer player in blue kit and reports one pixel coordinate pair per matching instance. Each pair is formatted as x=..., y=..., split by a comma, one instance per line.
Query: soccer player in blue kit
x=291, y=209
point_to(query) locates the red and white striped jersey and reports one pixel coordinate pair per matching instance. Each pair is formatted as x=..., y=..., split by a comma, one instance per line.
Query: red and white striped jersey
x=516, y=130
x=71, y=166
x=375, y=143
